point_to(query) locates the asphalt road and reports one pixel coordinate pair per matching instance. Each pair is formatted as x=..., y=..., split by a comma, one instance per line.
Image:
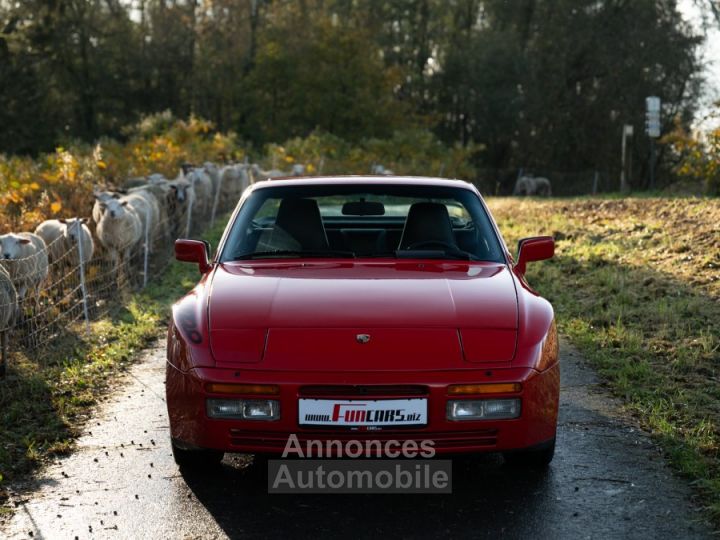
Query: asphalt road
x=607, y=481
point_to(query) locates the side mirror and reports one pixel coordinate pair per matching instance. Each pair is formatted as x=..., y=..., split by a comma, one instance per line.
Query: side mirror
x=537, y=248
x=197, y=251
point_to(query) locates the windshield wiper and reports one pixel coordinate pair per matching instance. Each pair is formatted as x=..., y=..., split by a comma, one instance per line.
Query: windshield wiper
x=293, y=253
x=381, y=254
x=452, y=254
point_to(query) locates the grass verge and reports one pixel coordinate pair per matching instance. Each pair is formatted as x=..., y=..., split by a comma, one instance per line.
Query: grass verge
x=636, y=286
x=45, y=401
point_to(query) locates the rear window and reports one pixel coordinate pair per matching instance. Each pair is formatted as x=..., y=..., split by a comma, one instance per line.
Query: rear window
x=362, y=220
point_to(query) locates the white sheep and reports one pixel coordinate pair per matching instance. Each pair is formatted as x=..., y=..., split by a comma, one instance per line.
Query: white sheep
x=533, y=185
x=259, y=174
x=203, y=186
x=61, y=237
x=160, y=189
x=24, y=256
x=8, y=300
x=233, y=181
x=8, y=313
x=181, y=203
x=102, y=196
x=146, y=208
x=213, y=171
x=380, y=170
x=118, y=229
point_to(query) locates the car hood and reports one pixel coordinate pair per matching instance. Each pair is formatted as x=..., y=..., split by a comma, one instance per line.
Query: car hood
x=271, y=311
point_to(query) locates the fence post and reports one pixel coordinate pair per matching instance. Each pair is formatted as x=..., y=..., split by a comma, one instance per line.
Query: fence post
x=595, y=183
x=3, y=353
x=146, y=261
x=81, y=268
x=188, y=224
x=217, y=199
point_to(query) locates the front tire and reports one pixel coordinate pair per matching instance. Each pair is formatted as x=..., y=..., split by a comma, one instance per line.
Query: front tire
x=536, y=458
x=200, y=459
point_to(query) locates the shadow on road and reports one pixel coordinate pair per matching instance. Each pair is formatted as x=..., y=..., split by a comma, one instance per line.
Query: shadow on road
x=485, y=494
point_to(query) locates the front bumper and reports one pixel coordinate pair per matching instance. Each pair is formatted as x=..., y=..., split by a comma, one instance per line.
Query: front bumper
x=191, y=427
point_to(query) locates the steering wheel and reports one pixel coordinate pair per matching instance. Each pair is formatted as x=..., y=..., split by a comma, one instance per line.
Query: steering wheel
x=425, y=243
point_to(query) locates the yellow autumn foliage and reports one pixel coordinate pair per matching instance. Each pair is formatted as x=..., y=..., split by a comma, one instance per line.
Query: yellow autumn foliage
x=61, y=183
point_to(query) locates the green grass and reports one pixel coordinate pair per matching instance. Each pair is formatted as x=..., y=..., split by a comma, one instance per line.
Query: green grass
x=635, y=287
x=45, y=403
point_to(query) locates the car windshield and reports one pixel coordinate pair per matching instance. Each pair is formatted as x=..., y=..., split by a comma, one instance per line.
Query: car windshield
x=361, y=221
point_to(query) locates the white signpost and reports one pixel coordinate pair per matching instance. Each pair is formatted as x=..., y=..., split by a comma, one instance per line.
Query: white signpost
x=627, y=133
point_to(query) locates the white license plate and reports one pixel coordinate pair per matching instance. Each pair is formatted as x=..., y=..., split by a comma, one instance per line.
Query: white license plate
x=363, y=412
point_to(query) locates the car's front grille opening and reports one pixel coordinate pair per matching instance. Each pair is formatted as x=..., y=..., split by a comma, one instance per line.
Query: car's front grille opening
x=271, y=441
x=362, y=390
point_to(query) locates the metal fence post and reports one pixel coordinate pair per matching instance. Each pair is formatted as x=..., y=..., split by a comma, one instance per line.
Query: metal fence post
x=217, y=199
x=81, y=268
x=3, y=353
x=188, y=224
x=146, y=261
x=595, y=183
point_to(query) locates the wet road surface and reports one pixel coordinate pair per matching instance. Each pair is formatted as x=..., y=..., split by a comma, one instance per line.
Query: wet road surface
x=607, y=481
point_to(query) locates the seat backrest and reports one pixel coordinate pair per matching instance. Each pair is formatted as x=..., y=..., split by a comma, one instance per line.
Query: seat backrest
x=427, y=222
x=300, y=220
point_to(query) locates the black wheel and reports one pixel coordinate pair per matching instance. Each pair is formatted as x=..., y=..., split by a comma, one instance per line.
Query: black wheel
x=532, y=457
x=196, y=459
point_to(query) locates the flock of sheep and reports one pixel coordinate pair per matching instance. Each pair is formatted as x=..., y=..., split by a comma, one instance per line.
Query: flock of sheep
x=532, y=185
x=146, y=210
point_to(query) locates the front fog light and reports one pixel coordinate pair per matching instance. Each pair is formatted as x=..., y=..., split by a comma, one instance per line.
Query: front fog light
x=501, y=408
x=244, y=409
x=261, y=410
x=486, y=409
x=460, y=410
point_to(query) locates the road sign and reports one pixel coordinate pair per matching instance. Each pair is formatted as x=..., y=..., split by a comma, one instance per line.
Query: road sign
x=652, y=104
x=652, y=116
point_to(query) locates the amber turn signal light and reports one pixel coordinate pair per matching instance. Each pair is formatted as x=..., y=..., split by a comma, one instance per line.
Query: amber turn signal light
x=489, y=388
x=228, y=388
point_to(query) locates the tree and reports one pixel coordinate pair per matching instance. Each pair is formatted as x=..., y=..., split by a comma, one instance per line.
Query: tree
x=320, y=76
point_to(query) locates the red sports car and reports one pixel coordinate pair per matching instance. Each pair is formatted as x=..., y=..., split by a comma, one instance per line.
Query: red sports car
x=357, y=308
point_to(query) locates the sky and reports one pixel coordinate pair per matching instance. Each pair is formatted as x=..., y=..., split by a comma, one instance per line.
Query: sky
x=711, y=55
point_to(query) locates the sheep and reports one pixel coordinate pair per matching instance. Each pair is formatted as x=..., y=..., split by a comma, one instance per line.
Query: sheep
x=203, y=186
x=160, y=189
x=259, y=174
x=142, y=201
x=24, y=256
x=61, y=236
x=213, y=172
x=380, y=170
x=8, y=300
x=134, y=182
x=146, y=208
x=543, y=186
x=118, y=229
x=102, y=196
x=182, y=201
x=8, y=313
x=533, y=185
x=233, y=180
